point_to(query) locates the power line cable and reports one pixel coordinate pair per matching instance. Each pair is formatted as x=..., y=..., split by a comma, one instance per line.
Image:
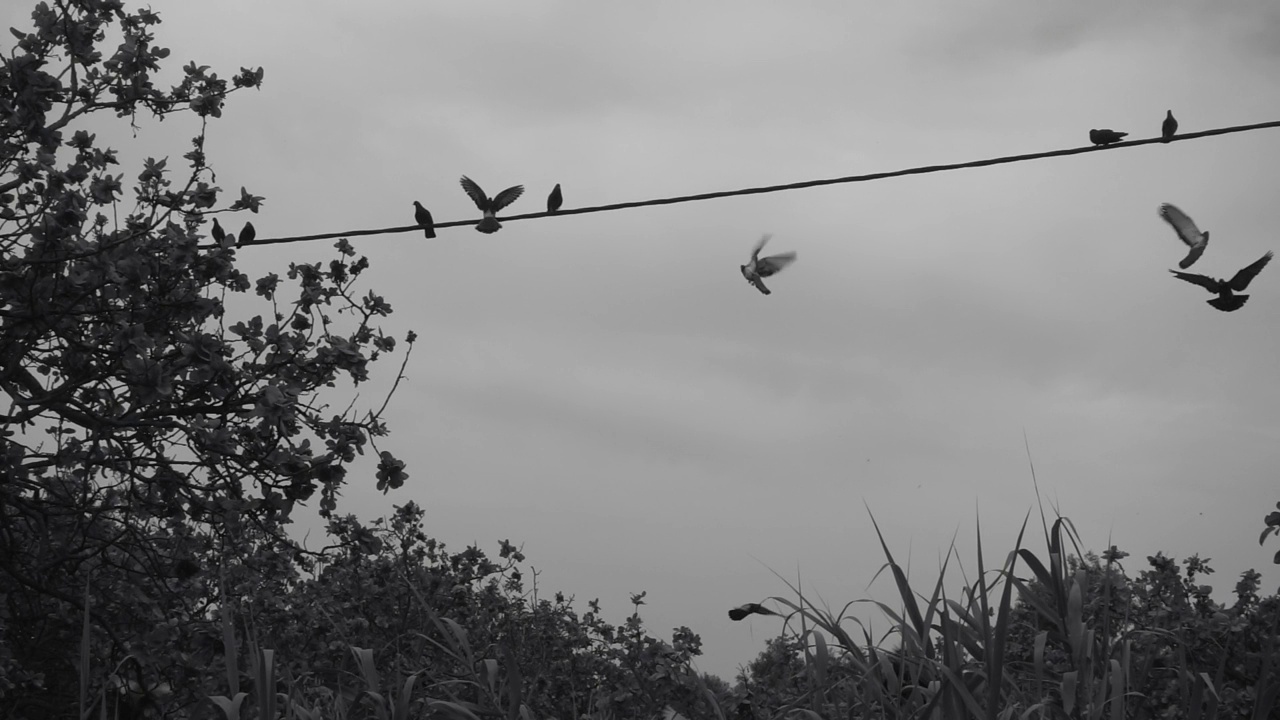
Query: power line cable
x=778, y=188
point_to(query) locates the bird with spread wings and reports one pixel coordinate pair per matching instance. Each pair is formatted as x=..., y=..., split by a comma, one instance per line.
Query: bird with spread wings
x=1226, y=290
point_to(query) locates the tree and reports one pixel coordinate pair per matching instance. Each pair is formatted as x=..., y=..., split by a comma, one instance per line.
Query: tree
x=146, y=434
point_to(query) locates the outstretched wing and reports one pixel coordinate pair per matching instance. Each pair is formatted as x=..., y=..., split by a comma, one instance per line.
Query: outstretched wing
x=760, y=286
x=1183, y=225
x=772, y=264
x=473, y=190
x=1245, y=276
x=506, y=197
x=755, y=253
x=1207, y=283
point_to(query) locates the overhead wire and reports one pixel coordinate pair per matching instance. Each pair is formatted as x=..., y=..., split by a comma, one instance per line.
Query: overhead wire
x=779, y=188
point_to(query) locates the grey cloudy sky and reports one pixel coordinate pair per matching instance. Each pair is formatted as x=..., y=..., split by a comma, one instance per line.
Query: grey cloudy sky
x=608, y=391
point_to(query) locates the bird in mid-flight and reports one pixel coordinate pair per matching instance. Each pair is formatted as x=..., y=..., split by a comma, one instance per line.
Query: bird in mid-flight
x=760, y=267
x=1227, y=300
x=490, y=206
x=1187, y=232
x=555, y=199
x=422, y=216
x=742, y=611
x=1170, y=126
x=1105, y=136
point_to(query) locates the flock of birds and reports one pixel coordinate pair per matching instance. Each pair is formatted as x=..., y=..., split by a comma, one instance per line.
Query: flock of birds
x=757, y=269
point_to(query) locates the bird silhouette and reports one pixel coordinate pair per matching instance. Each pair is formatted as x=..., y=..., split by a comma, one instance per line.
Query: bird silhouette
x=555, y=199
x=1227, y=300
x=760, y=268
x=742, y=611
x=422, y=216
x=1187, y=232
x=218, y=233
x=490, y=206
x=248, y=234
x=1170, y=126
x=1105, y=136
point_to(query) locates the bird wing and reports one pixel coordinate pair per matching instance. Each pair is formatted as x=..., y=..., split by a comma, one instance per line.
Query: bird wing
x=760, y=286
x=1245, y=276
x=755, y=253
x=477, y=195
x=772, y=264
x=1181, y=224
x=506, y=197
x=1207, y=283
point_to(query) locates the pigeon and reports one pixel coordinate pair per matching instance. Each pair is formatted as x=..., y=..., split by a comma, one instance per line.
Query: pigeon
x=218, y=233
x=1169, y=127
x=1227, y=301
x=1105, y=137
x=760, y=268
x=422, y=216
x=489, y=206
x=1187, y=231
x=742, y=611
x=248, y=234
x=555, y=199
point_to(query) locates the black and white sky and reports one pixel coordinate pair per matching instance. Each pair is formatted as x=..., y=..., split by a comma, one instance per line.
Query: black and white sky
x=606, y=390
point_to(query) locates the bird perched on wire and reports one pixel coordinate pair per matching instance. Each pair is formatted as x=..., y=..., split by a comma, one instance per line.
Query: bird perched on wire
x=742, y=611
x=247, y=234
x=1227, y=300
x=555, y=199
x=220, y=235
x=1187, y=232
x=1170, y=126
x=760, y=268
x=1105, y=136
x=490, y=205
x=422, y=216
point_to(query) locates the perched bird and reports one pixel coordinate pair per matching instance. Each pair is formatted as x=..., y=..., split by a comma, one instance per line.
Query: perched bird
x=490, y=206
x=742, y=611
x=1225, y=289
x=248, y=234
x=218, y=233
x=422, y=216
x=760, y=268
x=1170, y=126
x=1105, y=137
x=555, y=199
x=1187, y=231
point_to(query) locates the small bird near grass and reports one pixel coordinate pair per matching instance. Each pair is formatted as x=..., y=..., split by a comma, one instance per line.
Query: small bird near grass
x=1170, y=126
x=1227, y=300
x=742, y=611
x=1187, y=231
x=490, y=205
x=555, y=199
x=760, y=268
x=422, y=216
x=1105, y=136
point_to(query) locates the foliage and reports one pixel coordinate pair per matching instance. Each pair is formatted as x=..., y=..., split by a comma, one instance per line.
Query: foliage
x=146, y=434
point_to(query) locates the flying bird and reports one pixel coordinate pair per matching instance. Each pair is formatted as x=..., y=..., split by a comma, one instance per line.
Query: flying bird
x=760, y=268
x=422, y=216
x=490, y=206
x=1170, y=126
x=1105, y=137
x=742, y=611
x=1227, y=300
x=555, y=199
x=248, y=234
x=218, y=233
x=1187, y=232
